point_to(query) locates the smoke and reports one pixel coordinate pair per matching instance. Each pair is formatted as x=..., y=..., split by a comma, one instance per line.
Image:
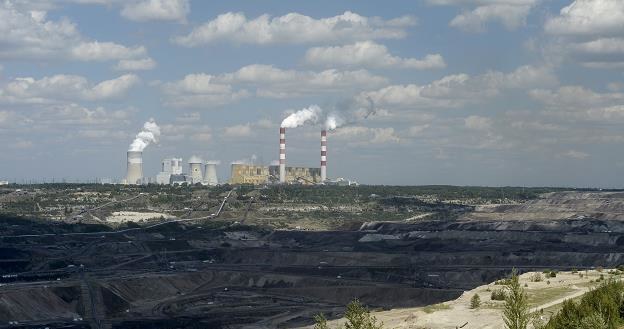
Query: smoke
x=149, y=134
x=338, y=115
x=249, y=161
x=310, y=114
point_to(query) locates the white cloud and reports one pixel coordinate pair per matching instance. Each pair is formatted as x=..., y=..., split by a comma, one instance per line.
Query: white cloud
x=237, y=131
x=135, y=64
x=105, y=51
x=476, y=122
x=295, y=28
x=359, y=135
x=369, y=54
x=511, y=14
x=29, y=34
x=64, y=87
x=573, y=154
x=589, y=17
x=575, y=98
x=156, y=10
x=201, y=90
x=459, y=89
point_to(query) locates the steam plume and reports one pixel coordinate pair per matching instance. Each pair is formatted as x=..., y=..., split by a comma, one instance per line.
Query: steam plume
x=310, y=114
x=149, y=134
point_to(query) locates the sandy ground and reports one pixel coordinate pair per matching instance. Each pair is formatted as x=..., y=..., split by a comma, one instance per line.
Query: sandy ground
x=546, y=295
x=133, y=216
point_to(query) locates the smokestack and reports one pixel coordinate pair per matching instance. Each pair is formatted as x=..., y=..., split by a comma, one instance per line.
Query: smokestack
x=134, y=174
x=210, y=173
x=323, y=155
x=282, y=155
x=195, y=164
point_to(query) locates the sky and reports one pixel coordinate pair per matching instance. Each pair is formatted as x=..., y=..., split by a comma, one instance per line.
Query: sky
x=461, y=92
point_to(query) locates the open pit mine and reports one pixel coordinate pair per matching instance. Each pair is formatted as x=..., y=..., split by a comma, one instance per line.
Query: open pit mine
x=273, y=257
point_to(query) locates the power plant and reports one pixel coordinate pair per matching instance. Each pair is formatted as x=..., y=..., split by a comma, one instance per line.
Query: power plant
x=205, y=173
x=134, y=174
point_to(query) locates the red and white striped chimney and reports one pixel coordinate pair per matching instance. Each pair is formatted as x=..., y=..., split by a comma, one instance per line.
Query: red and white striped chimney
x=323, y=155
x=282, y=155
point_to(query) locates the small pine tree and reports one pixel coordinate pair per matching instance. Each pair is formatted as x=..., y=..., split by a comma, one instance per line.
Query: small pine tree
x=475, y=301
x=320, y=321
x=358, y=317
x=516, y=313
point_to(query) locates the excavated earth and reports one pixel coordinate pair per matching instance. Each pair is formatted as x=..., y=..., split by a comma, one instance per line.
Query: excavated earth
x=196, y=276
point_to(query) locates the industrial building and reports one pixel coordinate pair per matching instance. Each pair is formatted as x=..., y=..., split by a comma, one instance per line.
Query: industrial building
x=257, y=175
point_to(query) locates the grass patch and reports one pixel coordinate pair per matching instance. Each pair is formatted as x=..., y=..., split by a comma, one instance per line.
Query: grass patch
x=436, y=307
x=540, y=296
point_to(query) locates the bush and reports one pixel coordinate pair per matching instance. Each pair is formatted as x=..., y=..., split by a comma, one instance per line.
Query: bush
x=536, y=277
x=597, y=309
x=475, y=301
x=357, y=315
x=552, y=274
x=498, y=294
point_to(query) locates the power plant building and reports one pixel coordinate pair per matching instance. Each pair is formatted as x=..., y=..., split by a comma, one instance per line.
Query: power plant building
x=258, y=175
x=169, y=167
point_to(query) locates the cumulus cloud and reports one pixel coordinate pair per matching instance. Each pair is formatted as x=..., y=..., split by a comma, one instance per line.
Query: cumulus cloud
x=236, y=131
x=573, y=154
x=588, y=17
x=135, y=64
x=295, y=28
x=458, y=89
x=64, y=87
x=359, y=135
x=511, y=14
x=476, y=122
x=369, y=54
x=105, y=51
x=29, y=34
x=156, y=10
x=589, y=32
x=200, y=90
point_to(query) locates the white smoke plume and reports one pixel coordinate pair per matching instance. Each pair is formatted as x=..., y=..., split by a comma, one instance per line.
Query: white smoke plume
x=310, y=114
x=349, y=112
x=149, y=134
x=250, y=161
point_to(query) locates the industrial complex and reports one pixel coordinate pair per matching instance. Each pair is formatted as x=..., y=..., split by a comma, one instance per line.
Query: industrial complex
x=205, y=173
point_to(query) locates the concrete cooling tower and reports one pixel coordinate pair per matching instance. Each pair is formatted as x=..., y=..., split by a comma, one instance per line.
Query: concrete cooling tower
x=195, y=168
x=134, y=175
x=210, y=173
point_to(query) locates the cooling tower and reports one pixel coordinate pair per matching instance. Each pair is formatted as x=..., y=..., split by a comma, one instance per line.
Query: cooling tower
x=282, y=155
x=195, y=164
x=134, y=174
x=210, y=173
x=323, y=155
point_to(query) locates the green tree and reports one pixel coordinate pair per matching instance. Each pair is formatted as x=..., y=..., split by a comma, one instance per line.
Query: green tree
x=516, y=313
x=593, y=321
x=358, y=317
x=320, y=321
x=475, y=301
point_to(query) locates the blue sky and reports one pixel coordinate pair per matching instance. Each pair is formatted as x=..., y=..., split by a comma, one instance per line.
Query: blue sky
x=466, y=92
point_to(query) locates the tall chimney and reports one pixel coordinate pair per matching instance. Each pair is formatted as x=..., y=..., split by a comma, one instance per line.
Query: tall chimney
x=282, y=155
x=134, y=175
x=323, y=155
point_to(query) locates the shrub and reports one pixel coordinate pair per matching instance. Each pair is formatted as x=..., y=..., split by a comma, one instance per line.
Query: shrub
x=536, y=277
x=497, y=294
x=552, y=274
x=597, y=309
x=475, y=301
